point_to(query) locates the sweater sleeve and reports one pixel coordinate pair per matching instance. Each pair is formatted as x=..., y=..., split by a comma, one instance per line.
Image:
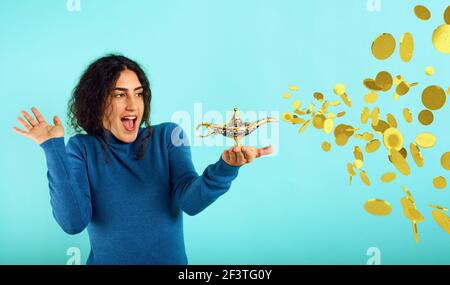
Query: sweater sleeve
x=69, y=186
x=193, y=193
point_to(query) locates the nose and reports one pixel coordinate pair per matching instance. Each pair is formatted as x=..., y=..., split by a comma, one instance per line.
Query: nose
x=131, y=103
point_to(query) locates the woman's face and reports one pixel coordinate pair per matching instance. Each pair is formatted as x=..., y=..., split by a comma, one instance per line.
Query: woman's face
x=124, y=107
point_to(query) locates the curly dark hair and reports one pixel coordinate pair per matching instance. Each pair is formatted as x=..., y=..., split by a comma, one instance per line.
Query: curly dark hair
x=89, y=98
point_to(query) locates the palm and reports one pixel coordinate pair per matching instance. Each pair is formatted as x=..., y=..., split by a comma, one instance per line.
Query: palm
x=39, y=130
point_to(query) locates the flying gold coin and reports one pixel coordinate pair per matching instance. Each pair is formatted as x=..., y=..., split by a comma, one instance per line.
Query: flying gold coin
x=341, y=139
x=296, y=104
x=357, y=153
x=426, y=117
x=358, y=163
x=402, y=88
x=415, y=231
x=339, y=89
x=381, y=127
x=447, y=15
x=335, y=103
x=304, y=126
x=318, y=121
x=297, y=121
x=383, y=46
x=378, y=207
x=384, y=80
x=399, y=162
x=328, y=125
x=393, y=139
x=293, y=88
x=429, y=70
x=441, y=38
x=416, y=155
x=407, y=115
x=440, y=182
x=287, y=117
x=326, y=146
x=351, y=170
x=365, y=114
x=433, y=97
x=442, y=220
x=287, y=95
x=375, y=116
x=318, y=96
x=422, y=12
x=426, y=140
x=346, y=100
x=373, y=146
x=371, y=84
x=371, y=97
x=438, y=207
x=406, y=47
x=341, y=114
x=445, y=161
x=388, y=177
x=364, y=178
x=391, y=120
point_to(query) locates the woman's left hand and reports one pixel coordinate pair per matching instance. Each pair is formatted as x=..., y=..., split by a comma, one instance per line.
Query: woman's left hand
x=237, y=156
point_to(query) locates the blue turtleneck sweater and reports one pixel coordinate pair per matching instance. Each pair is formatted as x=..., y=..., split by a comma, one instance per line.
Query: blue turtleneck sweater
x=132, y=209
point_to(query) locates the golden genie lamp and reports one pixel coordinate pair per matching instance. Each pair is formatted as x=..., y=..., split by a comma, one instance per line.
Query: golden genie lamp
x=235, y=129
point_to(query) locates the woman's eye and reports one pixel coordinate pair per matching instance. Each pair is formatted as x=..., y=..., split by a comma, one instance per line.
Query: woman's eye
x=119, y=95
x=140, y=94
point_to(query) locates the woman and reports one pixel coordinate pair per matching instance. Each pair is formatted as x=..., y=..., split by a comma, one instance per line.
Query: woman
x=126, y=184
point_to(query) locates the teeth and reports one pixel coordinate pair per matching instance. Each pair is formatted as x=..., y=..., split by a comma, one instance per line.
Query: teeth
x=130, y=118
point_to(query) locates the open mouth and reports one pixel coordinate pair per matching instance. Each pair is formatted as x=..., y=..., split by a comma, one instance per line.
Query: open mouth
x=129, y=123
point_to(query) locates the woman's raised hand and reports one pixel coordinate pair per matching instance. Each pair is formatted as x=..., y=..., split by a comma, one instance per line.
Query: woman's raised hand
x=38, y=129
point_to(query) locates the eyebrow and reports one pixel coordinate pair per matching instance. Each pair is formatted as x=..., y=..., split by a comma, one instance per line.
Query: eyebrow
x=125, y=89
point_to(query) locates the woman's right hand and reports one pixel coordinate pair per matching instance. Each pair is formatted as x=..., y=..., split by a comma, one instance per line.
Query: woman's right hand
x=39, y=130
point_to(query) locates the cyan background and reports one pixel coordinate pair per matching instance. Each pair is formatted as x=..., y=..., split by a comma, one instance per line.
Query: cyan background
x=293, y=208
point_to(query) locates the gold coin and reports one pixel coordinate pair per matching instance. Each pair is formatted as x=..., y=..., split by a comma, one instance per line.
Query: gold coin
x=426, y=117
x=341, y=139
x=328, y=125
x=287, y=95
x=440, y=182
x=373, y=146
x=399, y=162
x=406, y=47
x=383, y=46
x=318, y=96
x=300, y=112
x=326, y=146
x=367, y=136
x=339, y=89
x=350, y=169
x=422, y=12
x=442, y=220
x=381, y=127
x=346, y=100
x=391, y=120
x=445, y=161
x=331, y=115
x=433, y=97
x=388, y=177
x=429, y=70
x=335, y=103
x=365, y=114
x=426, y=140
x=403, y=152
x=296, y=104
x=364, y=178
x=397, y=79
x=407, y=115
x=413, y=215
x=293, y=88
x=378, y=207
x=370, y=84
x=304, y=126
x=416, y=155
x=358, y=163
x=447, y=15
x=324, y=107
x=402, y=88
x=341, y=114
x=441, y=38
x=371, y=97
x=384, y=80
x=357, y=153
x=318, y=121
x=415, y=231
x=438, y=207
x=393, y=139
x=375, y=116
x=408, y=193
x=297, y=121
x=287, y=117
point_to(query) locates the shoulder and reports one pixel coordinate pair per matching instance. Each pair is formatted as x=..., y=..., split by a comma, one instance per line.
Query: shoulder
x=171, y=132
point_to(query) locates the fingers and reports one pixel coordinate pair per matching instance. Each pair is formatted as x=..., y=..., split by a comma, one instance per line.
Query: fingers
x=56, y=121
x=20, y=132
x=24, y=124
x=240, y=159
x=264, y=151
x=29, y=118
x=38, y=115
x=249, y=153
